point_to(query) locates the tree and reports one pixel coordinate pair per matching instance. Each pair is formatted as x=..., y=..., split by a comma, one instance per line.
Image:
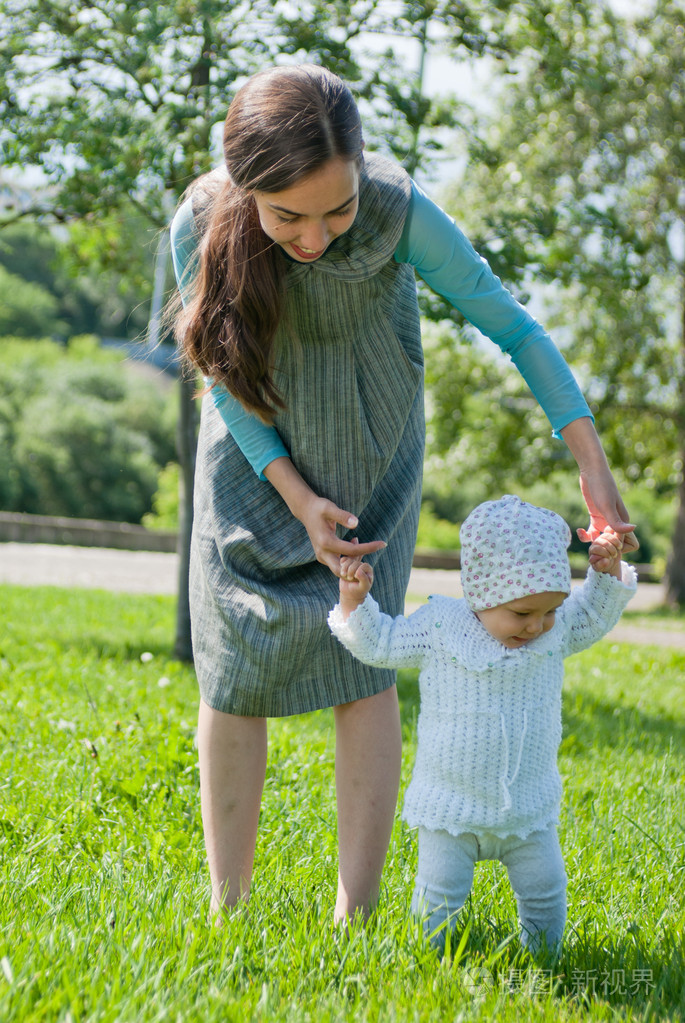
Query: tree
x=79, y=434
x=580, y=181
x=26, y=309
x=66, y=281
x=118, y=104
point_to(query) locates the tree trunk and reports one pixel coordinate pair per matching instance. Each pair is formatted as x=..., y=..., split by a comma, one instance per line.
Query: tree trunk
x=186, y=444
x=675, y=568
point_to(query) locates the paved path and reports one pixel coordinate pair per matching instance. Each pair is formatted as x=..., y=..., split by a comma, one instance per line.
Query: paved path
x=154, y=572
x=90, y=567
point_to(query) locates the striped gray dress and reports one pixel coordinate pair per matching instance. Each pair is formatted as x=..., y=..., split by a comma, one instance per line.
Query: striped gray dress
x=349, y=367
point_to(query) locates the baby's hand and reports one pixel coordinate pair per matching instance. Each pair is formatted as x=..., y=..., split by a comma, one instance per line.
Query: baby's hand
x=605, y=552
x=356, y=579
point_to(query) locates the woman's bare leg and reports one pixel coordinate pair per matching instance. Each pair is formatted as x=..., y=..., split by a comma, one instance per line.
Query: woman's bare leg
x=367, y=771
x=232, y=754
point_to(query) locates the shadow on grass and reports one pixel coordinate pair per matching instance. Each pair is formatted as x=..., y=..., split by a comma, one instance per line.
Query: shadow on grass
x=91, y=623
x=100, y=647
x=590, y=722
x=626, y=972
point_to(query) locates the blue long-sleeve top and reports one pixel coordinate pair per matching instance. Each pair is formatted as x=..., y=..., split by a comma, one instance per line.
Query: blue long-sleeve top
x=444, y=258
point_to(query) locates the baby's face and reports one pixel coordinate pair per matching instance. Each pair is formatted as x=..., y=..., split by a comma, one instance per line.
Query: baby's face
x=518, y=621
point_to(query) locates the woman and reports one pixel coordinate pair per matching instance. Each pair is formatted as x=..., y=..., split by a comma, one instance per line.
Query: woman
x=296, y=264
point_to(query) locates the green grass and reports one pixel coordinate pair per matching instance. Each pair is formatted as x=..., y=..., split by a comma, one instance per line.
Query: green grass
x=103, y=911
x=671, y=619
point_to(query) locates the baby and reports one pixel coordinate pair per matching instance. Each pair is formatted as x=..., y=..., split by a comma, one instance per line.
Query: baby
x=485, y=783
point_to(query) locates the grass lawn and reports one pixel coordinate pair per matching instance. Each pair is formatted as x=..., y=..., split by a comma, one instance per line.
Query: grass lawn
x=663, y=618
x=104, y=885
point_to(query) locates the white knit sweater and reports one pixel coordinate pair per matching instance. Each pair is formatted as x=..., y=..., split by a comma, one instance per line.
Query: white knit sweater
x=490, y=720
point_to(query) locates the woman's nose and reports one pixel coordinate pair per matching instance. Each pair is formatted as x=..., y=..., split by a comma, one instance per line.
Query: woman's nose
x=315, y=236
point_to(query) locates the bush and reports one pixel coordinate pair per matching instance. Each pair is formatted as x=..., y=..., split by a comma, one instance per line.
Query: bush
x=79, y=434
x=26, y=307
x=165, y=503
x=436, y=533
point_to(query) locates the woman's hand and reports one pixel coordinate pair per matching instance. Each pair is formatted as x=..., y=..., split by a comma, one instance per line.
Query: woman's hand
x=597, y=485
x=605, y=553
x=606, y=508
x=318, y=515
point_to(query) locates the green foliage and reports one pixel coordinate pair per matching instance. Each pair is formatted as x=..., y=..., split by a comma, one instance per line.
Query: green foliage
x=105, y=889
x=81, y=435
x=575, y=183
x=436, y=533
x=110, y=260
x=120, y=103
x=164, y=514
x=27, y=309
x=447, y=501
x=587, y=195
x=487, y=436
x=87, y=278
x=482, y=420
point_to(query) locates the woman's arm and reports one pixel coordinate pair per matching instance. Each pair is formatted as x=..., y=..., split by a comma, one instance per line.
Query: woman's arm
x=258, y=442
x=597, y=484
x=184, y=242
x=446, y=260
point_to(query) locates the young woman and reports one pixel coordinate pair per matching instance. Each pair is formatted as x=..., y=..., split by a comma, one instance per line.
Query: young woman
x=296, y=265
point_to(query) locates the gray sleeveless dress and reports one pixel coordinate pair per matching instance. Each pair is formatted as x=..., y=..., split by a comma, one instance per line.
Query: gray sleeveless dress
x=350, y=369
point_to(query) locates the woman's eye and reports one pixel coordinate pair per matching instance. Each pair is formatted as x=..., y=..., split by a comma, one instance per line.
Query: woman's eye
x=286, y=220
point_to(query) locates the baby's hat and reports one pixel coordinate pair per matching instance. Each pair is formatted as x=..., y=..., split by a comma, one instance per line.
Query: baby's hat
x=509, y=549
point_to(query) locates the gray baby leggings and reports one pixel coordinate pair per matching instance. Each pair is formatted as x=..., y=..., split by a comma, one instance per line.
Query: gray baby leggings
x=536, y=871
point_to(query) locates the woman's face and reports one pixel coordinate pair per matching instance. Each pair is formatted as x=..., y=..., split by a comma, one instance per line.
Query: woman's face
x=305, y=218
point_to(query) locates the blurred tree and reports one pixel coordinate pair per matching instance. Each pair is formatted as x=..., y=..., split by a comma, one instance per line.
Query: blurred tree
x=580, y=181
x=502, y=442
x=27, y=309
x=119, y=104
x=78, y=433
x=66, y=281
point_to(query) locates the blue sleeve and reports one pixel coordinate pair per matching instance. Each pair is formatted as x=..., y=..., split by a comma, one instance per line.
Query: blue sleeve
x=445, y=259
x=184, y=242
x=258, y=442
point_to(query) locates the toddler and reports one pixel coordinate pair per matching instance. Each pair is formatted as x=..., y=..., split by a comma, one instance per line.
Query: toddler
x=485, y=783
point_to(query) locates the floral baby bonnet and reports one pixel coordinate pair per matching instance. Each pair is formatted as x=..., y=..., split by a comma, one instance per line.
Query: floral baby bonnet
x=510, y=549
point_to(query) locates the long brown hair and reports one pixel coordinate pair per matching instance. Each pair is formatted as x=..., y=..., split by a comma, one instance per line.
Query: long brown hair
x=282, y=125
